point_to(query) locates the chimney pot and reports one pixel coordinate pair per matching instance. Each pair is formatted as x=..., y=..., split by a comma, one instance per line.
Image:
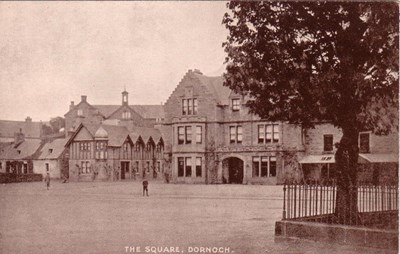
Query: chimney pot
x=72, y=105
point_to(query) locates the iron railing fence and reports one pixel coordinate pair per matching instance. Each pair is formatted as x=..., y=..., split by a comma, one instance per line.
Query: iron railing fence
x=315, y=200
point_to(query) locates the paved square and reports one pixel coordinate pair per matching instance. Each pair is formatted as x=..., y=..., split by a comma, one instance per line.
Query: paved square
x=108, y=217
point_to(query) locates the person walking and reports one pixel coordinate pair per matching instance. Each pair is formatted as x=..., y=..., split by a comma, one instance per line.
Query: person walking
x=145, y=187
x=47, y=180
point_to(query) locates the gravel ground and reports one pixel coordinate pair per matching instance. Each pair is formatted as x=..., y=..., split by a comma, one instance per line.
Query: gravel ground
x=115, y=218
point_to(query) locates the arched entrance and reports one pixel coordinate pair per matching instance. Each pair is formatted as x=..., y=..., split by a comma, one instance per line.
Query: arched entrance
x=232, y=170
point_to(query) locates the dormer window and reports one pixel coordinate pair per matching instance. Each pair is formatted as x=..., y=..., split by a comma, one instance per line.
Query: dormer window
x=80, y=112
x=235, y=104
x=189, y=106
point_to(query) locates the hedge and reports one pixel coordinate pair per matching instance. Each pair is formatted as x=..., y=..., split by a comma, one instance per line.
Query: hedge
x=17, y=178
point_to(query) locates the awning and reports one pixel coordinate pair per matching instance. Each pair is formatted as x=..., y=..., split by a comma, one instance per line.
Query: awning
x=378, y=158
x=362, y=158
x=316, y=159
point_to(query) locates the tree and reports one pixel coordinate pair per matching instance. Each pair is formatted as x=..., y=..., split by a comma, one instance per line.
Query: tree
x=57, y=123
x=304, y=62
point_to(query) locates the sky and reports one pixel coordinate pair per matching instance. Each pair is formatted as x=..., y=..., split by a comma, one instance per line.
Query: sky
x=51, y=53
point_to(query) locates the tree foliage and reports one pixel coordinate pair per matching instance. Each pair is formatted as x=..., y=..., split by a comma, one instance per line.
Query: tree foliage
x=306, y=62
x=311, y=61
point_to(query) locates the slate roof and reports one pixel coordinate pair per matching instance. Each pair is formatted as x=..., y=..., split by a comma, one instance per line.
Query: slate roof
x=145, y=111
x=30, y=129
x=57, y=146
x=216, y=87
x=24, y=150
x=116, y=134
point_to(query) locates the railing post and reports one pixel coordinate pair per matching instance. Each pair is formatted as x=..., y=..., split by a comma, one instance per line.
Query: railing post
x=284, y=202
x=294, y=199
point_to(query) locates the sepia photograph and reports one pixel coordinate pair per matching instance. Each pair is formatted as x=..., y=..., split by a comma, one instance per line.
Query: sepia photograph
x=243, y=127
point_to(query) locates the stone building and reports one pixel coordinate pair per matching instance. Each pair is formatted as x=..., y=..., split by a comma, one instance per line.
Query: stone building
x=214, y=139
x=52, y=158
x=124, y=114
x=378, y=154
x=17, y=156
x=110, y=153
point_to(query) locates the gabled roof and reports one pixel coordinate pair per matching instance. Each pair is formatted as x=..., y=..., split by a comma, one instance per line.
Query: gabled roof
x=30, y=129
x=53, y=149
x=22, y=151
x=145, y=134
x=81, y=102
x=107, y=110
x=145, y=111
x=116, y=134
x=216, y=87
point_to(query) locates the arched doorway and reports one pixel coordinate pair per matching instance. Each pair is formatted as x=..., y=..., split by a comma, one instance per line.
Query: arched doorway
x=232, y=170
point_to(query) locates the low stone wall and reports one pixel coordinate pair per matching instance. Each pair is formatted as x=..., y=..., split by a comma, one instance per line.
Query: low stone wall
x=340, y=234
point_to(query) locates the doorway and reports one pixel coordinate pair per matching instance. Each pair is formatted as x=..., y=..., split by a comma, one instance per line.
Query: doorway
x=124, y=169
x=232, y=170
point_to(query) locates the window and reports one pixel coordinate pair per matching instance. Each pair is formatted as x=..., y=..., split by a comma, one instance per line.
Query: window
x=80, y=112
x=125, y=147
x=184, y=166
x=264, y=166
x=50, y=150
x=199, y=133
x=126, y=115
x=198, y=167
x=188, y=167
x=364, y=142
x=181, y=166
x=328, y=143
x=101, y=152
x=235, y=134
x=184, y=107
x=268, y=133
x=184, y=135
x=188, y=130
x=47, y=167
x=235, y=104
x=84, y=146
x=181, y=135
x=195, y=106
x=85, y=167
x=189, y=106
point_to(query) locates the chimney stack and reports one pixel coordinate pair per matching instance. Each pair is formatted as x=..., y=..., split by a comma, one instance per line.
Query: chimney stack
x=83, y=98
x=28, y=119
x=19, y=137
x=72, y=105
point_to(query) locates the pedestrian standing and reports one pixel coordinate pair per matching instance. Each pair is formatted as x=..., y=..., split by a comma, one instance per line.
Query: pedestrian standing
x=145, y=187
x=47, y=180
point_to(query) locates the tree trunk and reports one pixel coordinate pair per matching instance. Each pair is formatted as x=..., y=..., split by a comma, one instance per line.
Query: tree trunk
x=346, y=158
